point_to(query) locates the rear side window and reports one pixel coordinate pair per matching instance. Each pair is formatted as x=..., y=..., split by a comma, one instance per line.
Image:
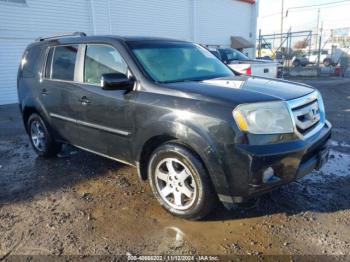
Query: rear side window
x=63, y=62
x=30, y=62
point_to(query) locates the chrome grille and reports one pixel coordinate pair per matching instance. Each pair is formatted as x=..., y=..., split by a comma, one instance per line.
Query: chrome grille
x=308, y=113
x=306, y=116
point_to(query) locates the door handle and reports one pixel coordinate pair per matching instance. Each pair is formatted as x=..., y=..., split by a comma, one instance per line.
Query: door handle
x=84, y=101
x=44, y=92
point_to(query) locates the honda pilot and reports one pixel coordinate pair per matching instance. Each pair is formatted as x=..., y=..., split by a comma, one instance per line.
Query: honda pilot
x=192, y=127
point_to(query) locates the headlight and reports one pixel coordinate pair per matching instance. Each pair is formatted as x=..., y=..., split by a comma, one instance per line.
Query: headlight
x=321, y=106
x=264, y=118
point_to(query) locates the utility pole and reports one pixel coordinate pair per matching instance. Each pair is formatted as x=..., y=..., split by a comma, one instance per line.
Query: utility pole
x=319, y=48
x=282, y=17
x=260, y=43
x=317, y=28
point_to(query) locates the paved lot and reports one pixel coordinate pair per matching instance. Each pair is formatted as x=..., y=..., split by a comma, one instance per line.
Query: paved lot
x=83, y=204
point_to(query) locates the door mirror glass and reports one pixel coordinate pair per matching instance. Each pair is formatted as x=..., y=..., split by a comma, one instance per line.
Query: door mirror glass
x=116, y=81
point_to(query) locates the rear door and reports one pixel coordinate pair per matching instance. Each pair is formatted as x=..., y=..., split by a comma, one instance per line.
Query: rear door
x=105, y=119
x=59, y=92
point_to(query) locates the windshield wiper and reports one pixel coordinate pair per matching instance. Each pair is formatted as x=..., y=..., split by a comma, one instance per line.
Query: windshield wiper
x=182, y=80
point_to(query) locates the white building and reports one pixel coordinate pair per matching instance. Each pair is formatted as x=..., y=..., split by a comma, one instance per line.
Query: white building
x=211, y=22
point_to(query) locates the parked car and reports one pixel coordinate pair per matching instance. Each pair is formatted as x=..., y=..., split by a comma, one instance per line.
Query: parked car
x=170, y=108
x=300, y=61
x=325, y=58
x=242, y=64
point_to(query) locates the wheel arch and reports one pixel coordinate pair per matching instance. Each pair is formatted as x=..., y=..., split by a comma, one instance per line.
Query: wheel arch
x=26, y=113
x=199, y=143
x=152, y=144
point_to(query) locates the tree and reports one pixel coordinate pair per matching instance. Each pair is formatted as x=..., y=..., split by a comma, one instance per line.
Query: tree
x=301, y=44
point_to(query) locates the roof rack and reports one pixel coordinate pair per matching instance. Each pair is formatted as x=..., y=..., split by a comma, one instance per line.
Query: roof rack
x=80, y=34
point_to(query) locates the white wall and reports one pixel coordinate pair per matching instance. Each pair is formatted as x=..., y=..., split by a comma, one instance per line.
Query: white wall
x=21, y=24
x=202, y=21
x=150, y=18
x=218, y=20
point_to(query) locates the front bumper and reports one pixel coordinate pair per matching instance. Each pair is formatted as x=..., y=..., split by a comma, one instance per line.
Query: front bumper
x=263, y=168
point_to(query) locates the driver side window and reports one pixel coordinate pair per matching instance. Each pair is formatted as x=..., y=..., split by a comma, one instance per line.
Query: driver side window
x=102, y=59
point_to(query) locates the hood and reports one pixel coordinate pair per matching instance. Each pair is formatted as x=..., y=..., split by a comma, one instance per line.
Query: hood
x=240, y=90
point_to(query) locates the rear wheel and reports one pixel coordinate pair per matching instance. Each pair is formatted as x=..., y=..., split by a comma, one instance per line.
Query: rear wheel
x=180, y=182
x=327, y=62
x=41, y=138
x=296, y=62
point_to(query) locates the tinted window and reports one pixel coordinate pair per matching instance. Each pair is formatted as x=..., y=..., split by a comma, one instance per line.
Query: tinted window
x=63, y=63
x=232, y=54
x=102, y=59
x=30, y=62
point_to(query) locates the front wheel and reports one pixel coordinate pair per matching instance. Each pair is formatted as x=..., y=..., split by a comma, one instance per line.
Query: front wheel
x=180, y=182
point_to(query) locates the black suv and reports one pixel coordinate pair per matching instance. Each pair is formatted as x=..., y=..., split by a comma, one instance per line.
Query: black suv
x=193, y=128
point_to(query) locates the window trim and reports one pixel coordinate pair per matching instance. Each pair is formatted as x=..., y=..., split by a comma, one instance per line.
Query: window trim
x=82, y=65
x=43, y=72
x=79, y=64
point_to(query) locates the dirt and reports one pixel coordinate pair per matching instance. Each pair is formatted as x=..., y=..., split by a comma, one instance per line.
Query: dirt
x=83, y=204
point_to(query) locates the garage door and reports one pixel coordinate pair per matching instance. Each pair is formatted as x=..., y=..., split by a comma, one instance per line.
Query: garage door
x=11, y=50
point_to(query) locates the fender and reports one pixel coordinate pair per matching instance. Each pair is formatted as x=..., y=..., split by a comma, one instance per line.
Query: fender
x=36, y=104
x=192, y=136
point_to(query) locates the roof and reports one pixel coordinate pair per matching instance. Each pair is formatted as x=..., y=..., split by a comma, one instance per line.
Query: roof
x=80, y=37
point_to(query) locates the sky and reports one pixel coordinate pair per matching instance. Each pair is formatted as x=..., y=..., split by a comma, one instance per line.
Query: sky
x=332, y=16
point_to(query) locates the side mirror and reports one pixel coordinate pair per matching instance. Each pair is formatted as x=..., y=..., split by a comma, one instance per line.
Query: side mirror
x=116, y=81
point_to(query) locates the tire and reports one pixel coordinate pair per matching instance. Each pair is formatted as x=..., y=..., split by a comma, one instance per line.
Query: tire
x=197, y=197
x=41, y=138
x=327, y=62
x=296, y=63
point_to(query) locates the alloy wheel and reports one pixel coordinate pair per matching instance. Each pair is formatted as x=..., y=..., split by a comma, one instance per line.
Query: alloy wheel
x=175, y=183
x=37, y=133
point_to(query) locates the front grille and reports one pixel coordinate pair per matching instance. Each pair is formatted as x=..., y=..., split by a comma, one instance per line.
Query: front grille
x=306, y=116
x=308, y=113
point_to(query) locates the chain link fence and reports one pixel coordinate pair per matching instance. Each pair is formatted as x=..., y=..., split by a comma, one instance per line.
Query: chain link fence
x=303, y=53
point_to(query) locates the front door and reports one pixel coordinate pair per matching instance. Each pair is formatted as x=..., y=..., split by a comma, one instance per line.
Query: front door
x=105, y=121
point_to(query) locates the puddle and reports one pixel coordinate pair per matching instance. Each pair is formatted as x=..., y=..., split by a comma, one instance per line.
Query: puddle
x=337, y=165
x=339, y=143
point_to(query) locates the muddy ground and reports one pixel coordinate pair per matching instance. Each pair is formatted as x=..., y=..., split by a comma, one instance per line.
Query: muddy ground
x=83, y=204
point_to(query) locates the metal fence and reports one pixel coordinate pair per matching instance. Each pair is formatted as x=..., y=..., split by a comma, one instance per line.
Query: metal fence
x=305, y=52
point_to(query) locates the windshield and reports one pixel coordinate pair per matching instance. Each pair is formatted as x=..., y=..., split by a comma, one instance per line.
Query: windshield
x=233, y=55
x=177, y=62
